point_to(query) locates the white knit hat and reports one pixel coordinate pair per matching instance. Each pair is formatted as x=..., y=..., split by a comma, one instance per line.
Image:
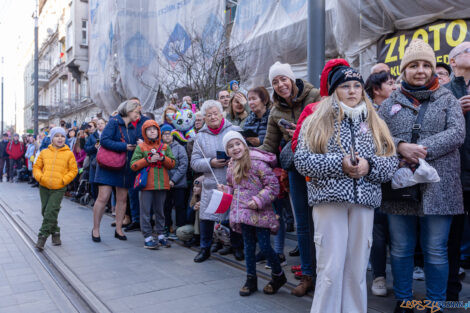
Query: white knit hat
x=232, y=135
x=57, y=130
x=279, y=68
x=418, y=50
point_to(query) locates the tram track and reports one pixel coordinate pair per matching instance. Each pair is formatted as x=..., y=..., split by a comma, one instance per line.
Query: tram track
x=80, y=297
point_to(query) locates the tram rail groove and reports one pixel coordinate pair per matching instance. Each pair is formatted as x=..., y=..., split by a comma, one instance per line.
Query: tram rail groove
x=77, y=293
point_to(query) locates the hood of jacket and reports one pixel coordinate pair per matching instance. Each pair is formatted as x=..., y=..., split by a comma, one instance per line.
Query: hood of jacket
x=268, y=157
x=304, y=88
x=148, y=124
x=326, y=70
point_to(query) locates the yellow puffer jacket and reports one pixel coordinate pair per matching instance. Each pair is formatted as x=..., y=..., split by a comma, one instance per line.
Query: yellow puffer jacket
x=55, y=168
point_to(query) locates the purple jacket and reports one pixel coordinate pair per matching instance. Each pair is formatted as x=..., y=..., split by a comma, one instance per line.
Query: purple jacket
x=262, y=186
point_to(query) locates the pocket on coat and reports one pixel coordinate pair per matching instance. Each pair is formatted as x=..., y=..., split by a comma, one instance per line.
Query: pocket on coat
x=318, y=238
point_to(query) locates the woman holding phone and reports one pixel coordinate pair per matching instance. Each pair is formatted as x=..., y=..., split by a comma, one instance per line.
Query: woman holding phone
x=207, y=151
x=119, y=135
x=290, y=97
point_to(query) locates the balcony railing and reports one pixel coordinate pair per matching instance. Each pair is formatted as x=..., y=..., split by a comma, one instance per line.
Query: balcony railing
x=43, y=77
x=69, y=105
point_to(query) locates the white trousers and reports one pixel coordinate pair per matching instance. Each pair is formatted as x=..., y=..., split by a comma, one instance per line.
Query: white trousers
x=343, y=238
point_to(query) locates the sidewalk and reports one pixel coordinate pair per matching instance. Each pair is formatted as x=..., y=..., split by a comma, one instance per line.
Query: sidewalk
x=128, y=278
x=25, y=286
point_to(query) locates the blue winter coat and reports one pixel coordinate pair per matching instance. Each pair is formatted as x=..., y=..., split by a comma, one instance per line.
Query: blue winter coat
x=91, y=152
x=258, y=125
x=111, y=139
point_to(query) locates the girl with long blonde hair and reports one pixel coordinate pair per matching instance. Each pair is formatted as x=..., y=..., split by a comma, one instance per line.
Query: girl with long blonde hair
x=346, y=152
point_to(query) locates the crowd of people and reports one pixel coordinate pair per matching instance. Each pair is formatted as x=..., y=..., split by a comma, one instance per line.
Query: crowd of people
x=324, y=156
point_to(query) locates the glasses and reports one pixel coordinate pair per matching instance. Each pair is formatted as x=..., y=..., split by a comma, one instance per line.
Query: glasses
x=442, y=74
x=467, y=50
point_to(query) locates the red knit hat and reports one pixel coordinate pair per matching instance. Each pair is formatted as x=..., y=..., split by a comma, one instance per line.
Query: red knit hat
x=326, y=70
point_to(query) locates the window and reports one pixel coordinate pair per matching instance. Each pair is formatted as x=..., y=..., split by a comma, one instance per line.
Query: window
x=85, y=32
x=64, y=92
x=69, y=36
x=84, y=87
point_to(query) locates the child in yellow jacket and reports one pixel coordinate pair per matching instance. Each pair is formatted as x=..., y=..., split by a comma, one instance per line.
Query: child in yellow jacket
x=54, y=169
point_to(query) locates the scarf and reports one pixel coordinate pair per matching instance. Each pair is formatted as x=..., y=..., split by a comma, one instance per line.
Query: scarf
x=217, y=131
x=354, y=113
x=416, y=95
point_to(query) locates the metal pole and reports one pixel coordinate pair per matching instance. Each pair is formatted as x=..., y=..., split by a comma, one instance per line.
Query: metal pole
x=315, y=40
x=36, y=73
x=2, y=96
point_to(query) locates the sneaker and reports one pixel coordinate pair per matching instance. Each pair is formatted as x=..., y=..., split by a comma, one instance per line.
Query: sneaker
x=151, y=244
x=295, y=268
x=418, y=273
x=164, y=242
x=379, y=287
x=172, y=236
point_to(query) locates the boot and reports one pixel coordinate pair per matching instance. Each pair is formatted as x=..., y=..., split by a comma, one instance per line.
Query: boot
x=251, y=285
x=305, y=285
x=216, y=247
x=56, y=239
x=41, y=242
x=203, y=255
x=239, y=255
x=277, y=281
x=400, y=309
x=226, y=250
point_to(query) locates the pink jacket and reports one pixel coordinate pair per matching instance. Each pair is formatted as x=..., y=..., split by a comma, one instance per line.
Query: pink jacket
x=262, y=186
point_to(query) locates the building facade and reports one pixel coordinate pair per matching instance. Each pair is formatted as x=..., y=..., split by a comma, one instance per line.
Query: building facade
x=63, y=64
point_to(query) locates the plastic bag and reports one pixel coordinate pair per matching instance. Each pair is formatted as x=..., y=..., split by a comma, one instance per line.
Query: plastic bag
x=402, y=178
x=425, y=173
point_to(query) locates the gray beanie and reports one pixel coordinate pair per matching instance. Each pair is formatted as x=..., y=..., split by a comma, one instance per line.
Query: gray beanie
x=57, y=130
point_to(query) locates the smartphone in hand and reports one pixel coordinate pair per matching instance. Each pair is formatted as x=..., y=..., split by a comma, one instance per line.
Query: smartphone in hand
x=285, y=123
x=221, y=155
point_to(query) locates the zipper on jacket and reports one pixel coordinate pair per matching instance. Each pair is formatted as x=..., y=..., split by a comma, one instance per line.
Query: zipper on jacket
x=53, y=163
x=353, y=144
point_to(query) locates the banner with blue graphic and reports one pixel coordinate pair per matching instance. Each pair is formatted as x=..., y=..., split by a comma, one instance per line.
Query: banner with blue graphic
x=129, y=39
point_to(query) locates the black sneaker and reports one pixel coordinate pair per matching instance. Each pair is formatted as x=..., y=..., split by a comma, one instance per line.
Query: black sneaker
x=295, y=252
x=134, y=226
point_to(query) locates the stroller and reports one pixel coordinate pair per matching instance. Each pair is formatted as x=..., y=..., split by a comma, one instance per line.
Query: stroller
x=83, y=195
x=22, y=174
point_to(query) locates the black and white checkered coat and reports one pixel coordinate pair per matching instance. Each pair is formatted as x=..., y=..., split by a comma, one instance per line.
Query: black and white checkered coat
x=328, y=182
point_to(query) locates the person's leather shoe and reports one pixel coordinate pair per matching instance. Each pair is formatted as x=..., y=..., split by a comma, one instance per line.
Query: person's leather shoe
x=134, y=226
x=400, y=309
x=226, y=250
x=203, y=255
x=239, y=255
x=295, y=252
x=216, y=247
x=305, y=285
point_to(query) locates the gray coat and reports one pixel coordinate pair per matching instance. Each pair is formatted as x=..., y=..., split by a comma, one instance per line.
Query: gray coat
x=210, y=144
x=442, y=132
x=178, y=173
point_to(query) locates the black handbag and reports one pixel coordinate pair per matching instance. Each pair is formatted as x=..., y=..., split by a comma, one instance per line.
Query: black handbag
x=412, y=193
x=286, y=157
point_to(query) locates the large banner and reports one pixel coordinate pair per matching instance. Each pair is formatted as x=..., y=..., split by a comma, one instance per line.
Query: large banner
x=442, y=35
x=130, y=38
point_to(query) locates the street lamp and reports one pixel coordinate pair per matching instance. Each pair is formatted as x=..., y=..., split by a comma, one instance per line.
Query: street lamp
x=36, y=72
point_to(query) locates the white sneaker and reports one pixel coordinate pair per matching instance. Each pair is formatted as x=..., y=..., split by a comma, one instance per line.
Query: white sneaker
x=379, y=287
x=418, y=273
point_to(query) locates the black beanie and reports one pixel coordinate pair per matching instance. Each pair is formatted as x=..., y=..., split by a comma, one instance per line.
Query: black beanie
x=341, y=74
